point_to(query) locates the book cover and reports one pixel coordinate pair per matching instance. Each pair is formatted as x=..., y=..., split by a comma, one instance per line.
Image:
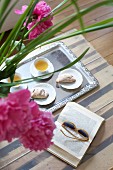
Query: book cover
x=72, y=150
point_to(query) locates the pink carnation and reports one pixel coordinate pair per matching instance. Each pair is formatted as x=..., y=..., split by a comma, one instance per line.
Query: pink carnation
x=39, y=136
x=15, y=115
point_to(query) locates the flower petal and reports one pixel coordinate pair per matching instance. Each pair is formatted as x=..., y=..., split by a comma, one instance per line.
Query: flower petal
x=19, y=12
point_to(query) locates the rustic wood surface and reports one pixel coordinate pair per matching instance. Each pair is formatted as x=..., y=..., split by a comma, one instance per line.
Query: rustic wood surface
x=102, y=40
x=14, y=156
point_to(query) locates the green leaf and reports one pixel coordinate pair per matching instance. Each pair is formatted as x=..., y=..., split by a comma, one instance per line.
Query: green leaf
x=4, y=90
x=78, y=12
x=18, y=44
x=59, y=5
x=28, y=80
x=2, y=35
x=106, y=21
x=14, y=33
x=7, y=72
x=45, y=37
x=75, y=33
x=2, y=19
x=110, y=3
x=74, y=62
x=4, y=6
x=2, y=95
x=27, y=22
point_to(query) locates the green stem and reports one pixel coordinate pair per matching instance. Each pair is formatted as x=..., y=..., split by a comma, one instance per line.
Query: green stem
x=14, y=32
x=28, y=80
x=75, y=33
x=2, y=35
x=78, y=11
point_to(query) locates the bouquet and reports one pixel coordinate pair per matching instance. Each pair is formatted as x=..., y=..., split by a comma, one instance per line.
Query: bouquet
x=21, y=117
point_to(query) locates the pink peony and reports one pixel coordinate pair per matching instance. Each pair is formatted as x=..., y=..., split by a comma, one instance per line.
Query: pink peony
x=15, y=115
x=39, y=136
x=41, y=10
x=23, y=119
x=19, y=12
x=39, y=28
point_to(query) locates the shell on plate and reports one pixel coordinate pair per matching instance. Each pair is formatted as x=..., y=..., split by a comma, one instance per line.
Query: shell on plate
x=65, y=78
x=39, y=93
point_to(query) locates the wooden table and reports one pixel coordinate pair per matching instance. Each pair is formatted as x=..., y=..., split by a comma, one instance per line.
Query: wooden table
x=100, y=100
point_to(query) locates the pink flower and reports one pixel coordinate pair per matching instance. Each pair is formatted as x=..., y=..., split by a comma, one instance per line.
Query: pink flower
x=19, y=12
x=39, y=28
x=41, y=10
x=15, y=115
x=39, y=136
x=23, y=119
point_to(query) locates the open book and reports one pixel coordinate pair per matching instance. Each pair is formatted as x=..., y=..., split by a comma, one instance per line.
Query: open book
x=72, y=150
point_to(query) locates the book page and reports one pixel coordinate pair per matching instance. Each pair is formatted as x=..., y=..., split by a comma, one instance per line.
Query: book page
x=83, y=119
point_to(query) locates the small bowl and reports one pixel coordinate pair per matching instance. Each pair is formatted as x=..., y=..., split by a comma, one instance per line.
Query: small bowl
x=42, y=65
x=17, y=77
x=37, y=73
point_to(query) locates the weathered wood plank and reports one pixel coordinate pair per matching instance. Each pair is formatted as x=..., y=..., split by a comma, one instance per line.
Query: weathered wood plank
x=109, y=59
x=104, y=47
x=99, y=160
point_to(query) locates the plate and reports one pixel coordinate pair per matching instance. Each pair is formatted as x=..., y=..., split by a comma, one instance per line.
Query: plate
x=77, y=75
x=16, y=88
x=35, y=73
x=20, y=87
x=52, y=94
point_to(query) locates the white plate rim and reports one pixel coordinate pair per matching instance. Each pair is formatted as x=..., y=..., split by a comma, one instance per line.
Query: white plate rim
x=21, y=87
x=17, y=88
x=70, y=87
x=42, y=100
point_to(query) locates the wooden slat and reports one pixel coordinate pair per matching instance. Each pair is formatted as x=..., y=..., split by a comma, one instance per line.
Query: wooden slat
x=95, y=16
x=82, y=3
x=91, y=18
x=103, y=82
x=12, y=155
x=94, y=35
x=103, y=134
x=104, y=42
x=102, y=47
x=56, y=164
x=109, y=58
x=23, y=160
x=101, y=161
